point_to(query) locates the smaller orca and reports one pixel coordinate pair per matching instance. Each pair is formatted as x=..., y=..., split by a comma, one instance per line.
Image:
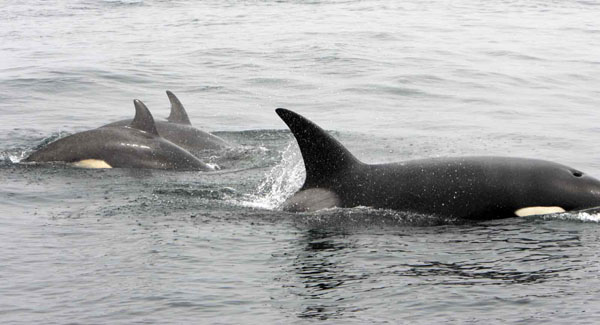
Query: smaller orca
x=136, y=145
x=179, y=130
x=475, y=188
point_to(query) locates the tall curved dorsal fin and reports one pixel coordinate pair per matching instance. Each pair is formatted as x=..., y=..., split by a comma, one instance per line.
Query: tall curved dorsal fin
x=323, y=155
x=178, y=113
x=143, y=120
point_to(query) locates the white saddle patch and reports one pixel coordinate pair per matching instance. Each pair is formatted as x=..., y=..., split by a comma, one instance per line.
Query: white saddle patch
x=311, y=200
x=91, y=163
x=533, y=211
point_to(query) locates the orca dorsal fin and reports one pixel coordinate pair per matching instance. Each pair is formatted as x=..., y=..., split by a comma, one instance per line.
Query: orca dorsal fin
x=143, y=120
x=178, y=113
x=323, y=155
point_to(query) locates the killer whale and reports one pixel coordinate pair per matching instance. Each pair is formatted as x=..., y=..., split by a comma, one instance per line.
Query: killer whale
x=179, y=130
x=477, y=188
x=136, y=145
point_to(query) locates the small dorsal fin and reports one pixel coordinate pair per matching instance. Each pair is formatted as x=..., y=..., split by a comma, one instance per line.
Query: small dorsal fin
x=178, y=113
x=143, y=120
x=323, y=155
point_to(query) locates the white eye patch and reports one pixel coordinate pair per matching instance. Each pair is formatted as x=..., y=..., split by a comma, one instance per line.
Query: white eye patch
x=533, y=211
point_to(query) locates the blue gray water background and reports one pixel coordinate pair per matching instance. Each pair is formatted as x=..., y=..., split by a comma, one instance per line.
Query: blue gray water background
x=393, y=80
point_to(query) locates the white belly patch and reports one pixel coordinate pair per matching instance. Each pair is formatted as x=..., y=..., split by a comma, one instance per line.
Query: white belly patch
x=91, y=163
x=533, y=211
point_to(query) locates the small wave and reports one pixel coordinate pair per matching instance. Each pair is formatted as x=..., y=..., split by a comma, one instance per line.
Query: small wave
x=366, y=217
x=51, y=138
x=239, y=157
x=206, y=193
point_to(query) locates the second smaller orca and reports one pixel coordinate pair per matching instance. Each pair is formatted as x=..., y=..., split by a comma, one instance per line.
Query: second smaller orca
x=179, y=130
x=135, y=145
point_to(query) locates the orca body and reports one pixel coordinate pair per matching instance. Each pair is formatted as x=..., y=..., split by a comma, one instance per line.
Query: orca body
x=136, y=145
x=477, y=188
x=179, y=130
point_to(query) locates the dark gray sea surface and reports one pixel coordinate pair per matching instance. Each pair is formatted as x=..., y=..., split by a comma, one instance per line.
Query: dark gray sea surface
x=392, y=80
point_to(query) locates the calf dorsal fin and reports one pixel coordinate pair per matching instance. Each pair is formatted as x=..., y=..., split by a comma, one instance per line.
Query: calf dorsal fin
x=178, y=114
x=323, y=155
x=143, y=120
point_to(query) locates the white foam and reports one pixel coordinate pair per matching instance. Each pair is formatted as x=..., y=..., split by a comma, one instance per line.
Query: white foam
x=583, y=216
x=280, y=182
x=16, y=158
x=213, y=166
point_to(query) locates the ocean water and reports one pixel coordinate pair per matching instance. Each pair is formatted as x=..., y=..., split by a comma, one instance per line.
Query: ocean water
x=393, y=80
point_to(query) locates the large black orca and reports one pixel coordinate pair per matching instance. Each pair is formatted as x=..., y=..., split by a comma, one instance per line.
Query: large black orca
x=464, y=187
x=136, y=145
x=179, y=130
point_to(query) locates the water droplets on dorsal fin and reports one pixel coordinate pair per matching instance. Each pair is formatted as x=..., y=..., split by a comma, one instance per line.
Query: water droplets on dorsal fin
x=178, y=113
x=323, y=155
x=143, y=120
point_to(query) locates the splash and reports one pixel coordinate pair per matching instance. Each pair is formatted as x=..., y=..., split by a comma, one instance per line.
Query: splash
x=280, y=182
x=12, y=156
